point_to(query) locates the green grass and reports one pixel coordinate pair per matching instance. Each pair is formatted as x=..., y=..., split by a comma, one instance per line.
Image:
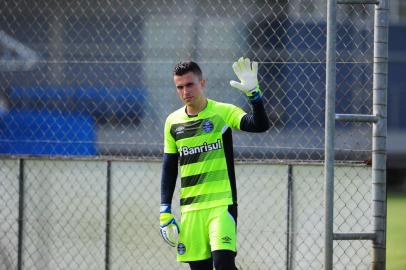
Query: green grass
x=396, y=232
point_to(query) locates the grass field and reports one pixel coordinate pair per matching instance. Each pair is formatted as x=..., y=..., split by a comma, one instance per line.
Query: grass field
x=396, y=232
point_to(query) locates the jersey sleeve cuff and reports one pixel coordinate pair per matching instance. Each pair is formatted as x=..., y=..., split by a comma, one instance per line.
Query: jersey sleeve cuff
x=255, y=95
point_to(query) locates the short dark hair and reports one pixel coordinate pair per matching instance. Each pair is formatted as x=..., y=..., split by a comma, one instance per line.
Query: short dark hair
x=182, y=68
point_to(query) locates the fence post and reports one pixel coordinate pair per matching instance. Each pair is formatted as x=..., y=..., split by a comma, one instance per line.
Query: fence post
x=289, y=220
x=21, y=191
x=108, y=216
x=329, y=133
x=380, y=79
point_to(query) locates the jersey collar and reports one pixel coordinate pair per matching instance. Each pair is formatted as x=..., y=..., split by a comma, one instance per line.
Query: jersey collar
x=203, y=112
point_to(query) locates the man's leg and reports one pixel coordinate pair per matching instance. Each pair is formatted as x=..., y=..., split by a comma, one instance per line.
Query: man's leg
x=223, y=237
x=193, y=241
x=202, y=265
x=224, y=260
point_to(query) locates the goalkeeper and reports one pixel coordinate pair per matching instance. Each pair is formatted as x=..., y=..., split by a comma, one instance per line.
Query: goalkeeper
x=198, y=137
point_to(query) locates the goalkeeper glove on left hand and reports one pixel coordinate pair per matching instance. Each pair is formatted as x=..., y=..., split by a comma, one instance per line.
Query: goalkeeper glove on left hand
x=169, y=228
x=247, y=73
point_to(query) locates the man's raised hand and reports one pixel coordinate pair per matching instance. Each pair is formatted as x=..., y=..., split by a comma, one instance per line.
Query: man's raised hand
x=247, y=73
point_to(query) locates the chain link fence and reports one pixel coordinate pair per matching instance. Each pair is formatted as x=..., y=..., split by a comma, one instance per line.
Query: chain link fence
x=85, y=87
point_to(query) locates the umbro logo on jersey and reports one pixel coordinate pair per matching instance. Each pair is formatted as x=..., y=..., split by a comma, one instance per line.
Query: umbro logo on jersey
x=180, y=130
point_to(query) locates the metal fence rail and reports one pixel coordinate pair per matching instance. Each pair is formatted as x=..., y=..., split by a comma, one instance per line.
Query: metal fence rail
x=99, y=214
x=84, y=91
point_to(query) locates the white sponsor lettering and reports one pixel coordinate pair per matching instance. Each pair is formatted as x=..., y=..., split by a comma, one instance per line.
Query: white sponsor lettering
x=205, y=147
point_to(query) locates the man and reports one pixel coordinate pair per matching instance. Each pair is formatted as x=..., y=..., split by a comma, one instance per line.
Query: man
x=198, y=136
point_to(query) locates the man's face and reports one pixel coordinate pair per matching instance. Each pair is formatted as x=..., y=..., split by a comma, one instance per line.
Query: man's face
x=189, y=88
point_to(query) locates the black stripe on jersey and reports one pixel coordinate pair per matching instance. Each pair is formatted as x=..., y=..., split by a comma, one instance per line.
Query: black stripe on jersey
x=192, y=180
x=204, y=198
x=210, y=176
x=188, y=200
x=186, y=130
x=189, y=159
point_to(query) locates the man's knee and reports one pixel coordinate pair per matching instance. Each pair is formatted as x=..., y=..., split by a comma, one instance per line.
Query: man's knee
x=224, y=260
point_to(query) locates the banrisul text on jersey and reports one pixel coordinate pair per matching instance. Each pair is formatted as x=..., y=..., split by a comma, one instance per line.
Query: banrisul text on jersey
x=205, y=147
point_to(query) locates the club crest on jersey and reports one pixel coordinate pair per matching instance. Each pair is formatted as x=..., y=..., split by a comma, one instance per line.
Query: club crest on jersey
x=207, y=126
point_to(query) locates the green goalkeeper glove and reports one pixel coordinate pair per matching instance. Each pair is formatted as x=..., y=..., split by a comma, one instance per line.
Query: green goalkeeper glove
x=169, y=228
x=247, y=73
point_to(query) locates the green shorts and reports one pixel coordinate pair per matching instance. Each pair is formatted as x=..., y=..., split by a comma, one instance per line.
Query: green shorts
x=206, y=230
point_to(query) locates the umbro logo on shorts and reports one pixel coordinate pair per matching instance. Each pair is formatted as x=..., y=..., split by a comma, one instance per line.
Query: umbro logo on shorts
x=226, y=240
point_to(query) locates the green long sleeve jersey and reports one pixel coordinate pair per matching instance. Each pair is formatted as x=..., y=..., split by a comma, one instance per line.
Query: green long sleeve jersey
x=205, y=148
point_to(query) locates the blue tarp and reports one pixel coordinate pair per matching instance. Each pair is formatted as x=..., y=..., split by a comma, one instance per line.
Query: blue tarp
x=39, y=132
x=96, y=101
